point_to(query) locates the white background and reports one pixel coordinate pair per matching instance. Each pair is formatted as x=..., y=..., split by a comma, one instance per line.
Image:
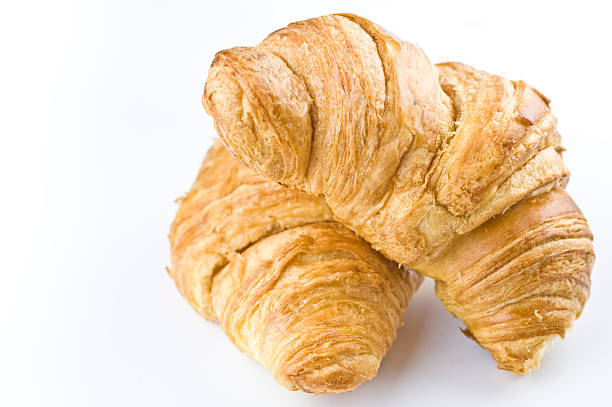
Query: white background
x=102, y=128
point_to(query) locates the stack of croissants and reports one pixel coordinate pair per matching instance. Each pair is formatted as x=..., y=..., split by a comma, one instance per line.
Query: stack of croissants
x=348, y=167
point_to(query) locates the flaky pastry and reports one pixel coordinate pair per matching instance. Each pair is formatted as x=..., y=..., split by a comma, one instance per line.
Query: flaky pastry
x=445, y=169
x=294, y=289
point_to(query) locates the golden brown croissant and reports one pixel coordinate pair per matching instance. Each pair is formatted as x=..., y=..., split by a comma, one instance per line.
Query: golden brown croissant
x=418, y=159
x=298, y=292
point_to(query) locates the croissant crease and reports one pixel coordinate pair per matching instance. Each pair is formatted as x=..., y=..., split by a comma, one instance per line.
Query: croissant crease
x=295, y=290
x=450, y=171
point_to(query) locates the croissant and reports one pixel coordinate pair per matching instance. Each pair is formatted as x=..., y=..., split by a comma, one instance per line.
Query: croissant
x=295, y=290
x=445, y=169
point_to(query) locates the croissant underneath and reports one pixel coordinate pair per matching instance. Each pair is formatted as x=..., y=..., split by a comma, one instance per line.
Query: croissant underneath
x=445, y=169
x=297, y=291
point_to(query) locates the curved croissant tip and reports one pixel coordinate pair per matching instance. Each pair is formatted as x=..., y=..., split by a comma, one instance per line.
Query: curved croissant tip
x=261, y=111
x=527, y=362
x=222, y=98
x=344, y=375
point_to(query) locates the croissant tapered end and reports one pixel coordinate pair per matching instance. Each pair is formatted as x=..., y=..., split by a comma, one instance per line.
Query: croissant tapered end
x=521, y=279
x=349, y=372
x=261, y=111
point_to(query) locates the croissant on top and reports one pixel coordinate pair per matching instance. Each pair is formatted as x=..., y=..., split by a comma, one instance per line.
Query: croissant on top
x=445, y=169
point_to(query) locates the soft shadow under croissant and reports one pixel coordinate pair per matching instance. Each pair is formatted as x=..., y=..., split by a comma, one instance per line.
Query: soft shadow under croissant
x=297, y=291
